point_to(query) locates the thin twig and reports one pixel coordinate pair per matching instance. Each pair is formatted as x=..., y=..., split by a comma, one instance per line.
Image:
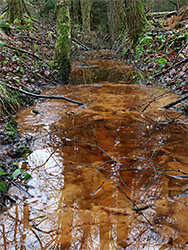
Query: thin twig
x=148, y=103
x=169, y=68
x=128, y=187
x=154, y=99
x=102, y=184
x=93, y=146
x=185, y=45
x=134, y=204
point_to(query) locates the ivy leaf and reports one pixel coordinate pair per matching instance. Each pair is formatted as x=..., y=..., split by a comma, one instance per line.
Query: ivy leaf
x=16, y=164
x=2, y=173
x=17, y=172
x=2, y=188
x=27, y=176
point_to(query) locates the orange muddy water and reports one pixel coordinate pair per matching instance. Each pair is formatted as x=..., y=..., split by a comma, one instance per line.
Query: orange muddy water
x=103, y=176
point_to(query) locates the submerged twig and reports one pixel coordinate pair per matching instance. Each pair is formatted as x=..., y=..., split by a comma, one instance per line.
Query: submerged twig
x=102, y=184
x=138, y=209
x=21, y=189
x=148, y=103
x=121, y=180
x=184, y=97
x=134, y=204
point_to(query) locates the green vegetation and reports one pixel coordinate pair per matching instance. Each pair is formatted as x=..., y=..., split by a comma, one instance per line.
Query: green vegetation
x=11, y=131
x=6, y=178
x=5, y=27
x=61, y=62
x=48, y=8
x=15, y=12
x=9, y=101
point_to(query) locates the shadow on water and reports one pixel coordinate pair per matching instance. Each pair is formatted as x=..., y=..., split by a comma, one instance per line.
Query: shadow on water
x=104, y=177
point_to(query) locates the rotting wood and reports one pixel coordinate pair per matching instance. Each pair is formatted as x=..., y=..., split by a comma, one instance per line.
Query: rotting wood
x=161, y=14
x=45, y=96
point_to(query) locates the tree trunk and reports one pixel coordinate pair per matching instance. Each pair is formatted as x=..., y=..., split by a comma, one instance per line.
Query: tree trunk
x=61, y=62
x=75, y=11
x=15, y=11
x=39, y=7
x=135, y=19
x=116, y=18
x=86, y=12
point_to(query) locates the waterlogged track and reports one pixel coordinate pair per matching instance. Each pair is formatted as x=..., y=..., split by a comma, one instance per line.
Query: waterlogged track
x=105, y=177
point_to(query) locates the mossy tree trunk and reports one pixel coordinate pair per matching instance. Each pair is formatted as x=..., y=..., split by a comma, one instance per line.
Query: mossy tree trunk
x=116, y=18
x=61, y=61
x=75, y=11
x=15, y=11
x=135, y=19
x=86, y=13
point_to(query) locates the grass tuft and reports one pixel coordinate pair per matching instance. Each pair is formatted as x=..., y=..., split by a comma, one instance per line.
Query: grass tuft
x=8, y=101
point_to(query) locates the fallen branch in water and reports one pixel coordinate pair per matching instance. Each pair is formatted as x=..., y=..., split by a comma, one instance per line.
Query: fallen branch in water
x=149, y=102
x=44, y=96
x=184, y=97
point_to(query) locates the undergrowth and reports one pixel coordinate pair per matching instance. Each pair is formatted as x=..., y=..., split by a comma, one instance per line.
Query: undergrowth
x=9, y=101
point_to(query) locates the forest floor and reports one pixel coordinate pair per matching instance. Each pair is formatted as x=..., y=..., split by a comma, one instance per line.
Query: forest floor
x=27, y=52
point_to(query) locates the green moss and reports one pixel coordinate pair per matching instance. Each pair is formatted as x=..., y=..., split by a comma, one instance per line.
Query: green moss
x=61, y=63
x=15, y=13
x=86, y=9
x=135, y=19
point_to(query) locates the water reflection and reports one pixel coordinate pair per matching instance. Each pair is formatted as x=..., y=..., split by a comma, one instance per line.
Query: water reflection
x=99, y=66
x=104, y=177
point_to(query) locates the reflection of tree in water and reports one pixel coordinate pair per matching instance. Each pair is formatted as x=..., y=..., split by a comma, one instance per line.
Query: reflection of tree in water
x=101, y=184
x=68, y=224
